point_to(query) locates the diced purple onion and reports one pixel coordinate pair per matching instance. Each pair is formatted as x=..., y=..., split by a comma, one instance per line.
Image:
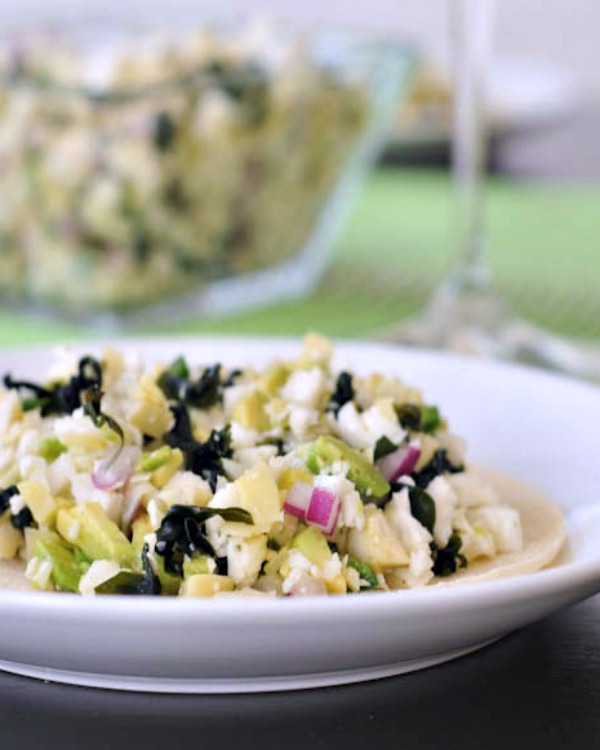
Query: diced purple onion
x=298, y=500
x=324, y=510
x=400, y=462
x=113, y=471
x=315, y=505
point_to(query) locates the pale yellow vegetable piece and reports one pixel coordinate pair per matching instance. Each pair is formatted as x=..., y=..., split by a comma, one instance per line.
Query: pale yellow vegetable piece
x=150, y=413
x=336, y=585
x=163, y=474
x=36, y=496
x=273, y=379
x=206, y=585
x=10, y=538
x=250, y=412
x=258, y=494
x=377, y=544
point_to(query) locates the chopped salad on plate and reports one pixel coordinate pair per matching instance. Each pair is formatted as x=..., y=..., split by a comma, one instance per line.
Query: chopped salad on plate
x=178, y=479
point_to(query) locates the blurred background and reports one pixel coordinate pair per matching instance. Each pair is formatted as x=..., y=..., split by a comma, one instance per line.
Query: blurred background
x=335, y=201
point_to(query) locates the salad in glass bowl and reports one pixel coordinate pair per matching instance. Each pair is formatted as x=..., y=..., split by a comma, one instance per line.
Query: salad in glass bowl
x=146, y=168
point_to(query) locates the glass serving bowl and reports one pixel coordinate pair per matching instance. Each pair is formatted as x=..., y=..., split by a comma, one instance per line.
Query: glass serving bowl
x=150, y=175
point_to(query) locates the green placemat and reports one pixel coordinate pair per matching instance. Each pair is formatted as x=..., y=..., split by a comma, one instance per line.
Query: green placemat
x=544, y=250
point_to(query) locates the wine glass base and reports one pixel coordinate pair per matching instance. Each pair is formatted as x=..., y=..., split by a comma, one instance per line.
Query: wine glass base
x=478, y=324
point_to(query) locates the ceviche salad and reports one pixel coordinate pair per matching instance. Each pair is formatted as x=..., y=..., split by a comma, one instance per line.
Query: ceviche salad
x=302, y=478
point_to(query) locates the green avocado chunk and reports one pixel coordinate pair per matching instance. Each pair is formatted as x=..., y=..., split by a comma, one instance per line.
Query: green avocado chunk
x=67, y=569
x=313, y=546
x=368, y=480
x=89, y=528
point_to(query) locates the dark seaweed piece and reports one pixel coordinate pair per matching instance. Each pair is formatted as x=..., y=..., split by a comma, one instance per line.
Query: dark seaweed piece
x=19, y=520
x=422, y=507
x=40, y=391
x=141, y=248
x=439, y=464
x=447, y=559
x=204, y=459
x=206, y=391
x=164, y=131
x=278, y=443
x=419, y=418
x=231, y=378
x=249, y=88
x=172, y=386
x=182, y=533
x=22, y=519
x=5, y=496
x=61, y=399
x=175, y=197
x=146, y=583
x=383, y=447
x=201, y=394
x=92, y=406
x=181, y=435
x=409, y=416
x=344, y=392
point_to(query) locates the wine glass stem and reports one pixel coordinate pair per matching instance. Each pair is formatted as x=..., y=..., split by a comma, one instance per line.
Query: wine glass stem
x=473, y=22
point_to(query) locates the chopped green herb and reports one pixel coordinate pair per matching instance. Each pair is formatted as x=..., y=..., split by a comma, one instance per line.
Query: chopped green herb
x=156, y=459
x=430, y=418
x=51, y=448
x=180, y=368
x=365, y=571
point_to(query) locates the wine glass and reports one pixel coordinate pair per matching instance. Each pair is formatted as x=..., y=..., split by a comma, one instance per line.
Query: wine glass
x=465, y=314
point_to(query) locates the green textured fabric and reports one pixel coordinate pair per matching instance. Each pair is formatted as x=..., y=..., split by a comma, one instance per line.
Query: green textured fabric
x=544, y=249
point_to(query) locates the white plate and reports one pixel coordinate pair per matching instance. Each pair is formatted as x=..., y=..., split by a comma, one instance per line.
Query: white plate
x=538, y=427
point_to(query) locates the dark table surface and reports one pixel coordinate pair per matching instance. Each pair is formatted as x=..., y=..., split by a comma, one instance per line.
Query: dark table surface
x=541, y=684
